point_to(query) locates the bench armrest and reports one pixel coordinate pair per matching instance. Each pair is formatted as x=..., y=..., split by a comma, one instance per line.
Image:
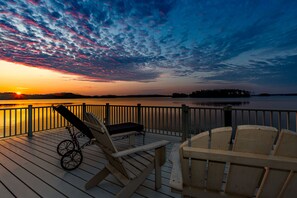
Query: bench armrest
x=176, y=179
x=123, y=134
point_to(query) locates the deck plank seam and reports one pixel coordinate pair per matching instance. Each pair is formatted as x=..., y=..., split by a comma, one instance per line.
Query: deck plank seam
x=58, y=136
x=166, y=168
x=20, y=178
x=60, y=168
x=89, y=148
x=92, y=174
x=42, y=169
x=5, y=185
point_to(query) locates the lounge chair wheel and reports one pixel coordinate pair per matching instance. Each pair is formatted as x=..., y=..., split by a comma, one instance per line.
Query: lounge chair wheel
x=71, y=160
x=65, y=146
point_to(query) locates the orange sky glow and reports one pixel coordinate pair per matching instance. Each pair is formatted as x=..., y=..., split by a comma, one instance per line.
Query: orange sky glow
x=31, y=80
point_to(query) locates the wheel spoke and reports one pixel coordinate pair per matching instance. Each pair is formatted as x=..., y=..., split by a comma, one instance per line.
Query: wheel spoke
x=71, y=160
x=65, y=146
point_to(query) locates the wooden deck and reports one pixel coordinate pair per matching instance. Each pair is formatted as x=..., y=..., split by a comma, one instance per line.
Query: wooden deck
x=31, y=168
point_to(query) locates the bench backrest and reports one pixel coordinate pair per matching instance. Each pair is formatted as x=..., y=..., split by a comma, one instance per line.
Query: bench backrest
x=243, y=180
x=270, y=170
x=218, y=139
x=281, y=183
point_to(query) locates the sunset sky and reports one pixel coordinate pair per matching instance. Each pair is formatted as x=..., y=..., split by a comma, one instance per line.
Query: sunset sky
x=99, y=47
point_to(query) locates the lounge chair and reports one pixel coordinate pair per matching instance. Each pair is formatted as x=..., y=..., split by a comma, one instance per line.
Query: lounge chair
x=70, y=149
x=127, y=129
x=209, y=168
x=131, y=166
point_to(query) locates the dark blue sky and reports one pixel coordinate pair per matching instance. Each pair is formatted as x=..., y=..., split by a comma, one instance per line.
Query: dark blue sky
x=248, y=44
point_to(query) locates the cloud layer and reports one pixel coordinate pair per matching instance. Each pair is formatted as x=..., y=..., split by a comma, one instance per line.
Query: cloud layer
x=139, y=40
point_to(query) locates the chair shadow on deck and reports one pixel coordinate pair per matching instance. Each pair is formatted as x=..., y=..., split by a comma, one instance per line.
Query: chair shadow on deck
x=253, y=167
x=130, y=167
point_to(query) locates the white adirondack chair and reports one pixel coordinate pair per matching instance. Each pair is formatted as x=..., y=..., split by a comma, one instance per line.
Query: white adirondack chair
x=131, y=166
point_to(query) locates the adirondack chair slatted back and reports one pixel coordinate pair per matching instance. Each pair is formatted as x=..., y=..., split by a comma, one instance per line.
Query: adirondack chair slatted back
x=281, y=183
x=203, y=173
x=220, y=139
x=198, y=165
x=243, y=180
x=105, y=142
x=254, y=166
x=90, y=117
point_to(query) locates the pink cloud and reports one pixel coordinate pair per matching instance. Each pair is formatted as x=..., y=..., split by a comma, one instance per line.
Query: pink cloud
x=7, y=28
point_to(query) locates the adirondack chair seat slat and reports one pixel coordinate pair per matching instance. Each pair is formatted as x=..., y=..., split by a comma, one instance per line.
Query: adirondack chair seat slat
x=136, y=167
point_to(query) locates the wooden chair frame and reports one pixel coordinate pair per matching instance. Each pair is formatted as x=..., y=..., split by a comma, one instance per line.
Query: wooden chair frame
x=131, y=175
x=253, y=167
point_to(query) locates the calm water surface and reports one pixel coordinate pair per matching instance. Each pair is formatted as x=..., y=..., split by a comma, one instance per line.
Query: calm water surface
x=272, y=102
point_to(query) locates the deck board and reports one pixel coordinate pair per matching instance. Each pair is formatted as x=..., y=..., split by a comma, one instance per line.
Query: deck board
x=4, y=191
x=43, y=170
x=31, y=168
x=13, y=183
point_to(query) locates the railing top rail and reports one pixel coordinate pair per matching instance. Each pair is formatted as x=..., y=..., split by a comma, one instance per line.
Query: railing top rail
x=255, y=109
x=173, y=107
x=35, y=107
x=136, y=106
x=26, y=107
x=190, y=107
x=102, y=105
x=212, y=108
x=13, y=108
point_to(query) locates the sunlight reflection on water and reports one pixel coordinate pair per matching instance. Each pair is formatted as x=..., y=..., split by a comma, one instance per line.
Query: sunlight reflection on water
x=274, y=102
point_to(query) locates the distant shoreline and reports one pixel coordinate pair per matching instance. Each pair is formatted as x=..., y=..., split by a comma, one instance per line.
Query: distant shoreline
x=13, y=96
x=267, y=94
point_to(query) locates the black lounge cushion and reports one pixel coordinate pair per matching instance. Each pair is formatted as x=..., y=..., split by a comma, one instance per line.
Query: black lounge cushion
x=80, y=125
x=124, y=127
x=74, y=120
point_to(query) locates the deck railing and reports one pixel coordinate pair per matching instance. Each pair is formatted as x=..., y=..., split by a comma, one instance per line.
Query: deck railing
x=26, y=120
x=177, y=121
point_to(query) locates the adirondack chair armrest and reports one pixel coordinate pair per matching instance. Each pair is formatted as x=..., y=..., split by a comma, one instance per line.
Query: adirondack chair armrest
x=248, y=159
x=146, y=147
x=176, y=179
x=124, y=134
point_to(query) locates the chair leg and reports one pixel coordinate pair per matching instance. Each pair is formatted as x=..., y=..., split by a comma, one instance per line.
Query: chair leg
x=131, y=187
x=159, y=155
x=143, y=138
x=132, y=140
x=97, y=178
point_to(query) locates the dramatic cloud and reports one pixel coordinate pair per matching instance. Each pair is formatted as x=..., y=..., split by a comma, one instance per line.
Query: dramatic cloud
x=138, y=40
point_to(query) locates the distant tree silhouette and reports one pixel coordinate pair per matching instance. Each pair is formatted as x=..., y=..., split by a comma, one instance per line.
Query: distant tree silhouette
x=179, y=95
x=220, y=93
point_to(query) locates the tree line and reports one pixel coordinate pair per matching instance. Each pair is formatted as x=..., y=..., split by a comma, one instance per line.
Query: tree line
x=215, y=93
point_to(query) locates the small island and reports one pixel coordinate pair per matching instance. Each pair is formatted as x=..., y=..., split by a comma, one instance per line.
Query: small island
x=215, y=93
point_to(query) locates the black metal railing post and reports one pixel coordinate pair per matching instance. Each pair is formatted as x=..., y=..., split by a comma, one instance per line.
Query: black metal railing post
x=139, y=113
x=107, y=114
x=84, y=110
x=30, y=120
x=185, y=122
x=227, y=115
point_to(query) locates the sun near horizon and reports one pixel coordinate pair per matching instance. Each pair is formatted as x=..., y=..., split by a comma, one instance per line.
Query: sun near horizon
x=22, y=79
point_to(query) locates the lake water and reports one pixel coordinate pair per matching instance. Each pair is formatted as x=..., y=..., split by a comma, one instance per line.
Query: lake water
x=14, y=121
x=272, y=102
